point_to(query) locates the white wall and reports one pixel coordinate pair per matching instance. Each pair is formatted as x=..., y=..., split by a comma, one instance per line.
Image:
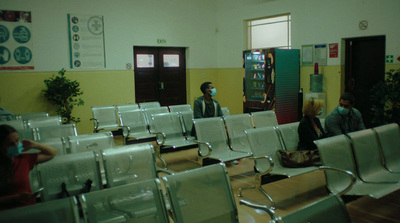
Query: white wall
x=187, y=23
x=313, y=22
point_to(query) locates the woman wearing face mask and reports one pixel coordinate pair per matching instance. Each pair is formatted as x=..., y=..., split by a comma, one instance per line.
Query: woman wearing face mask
x=15, y=189
x=310, y=127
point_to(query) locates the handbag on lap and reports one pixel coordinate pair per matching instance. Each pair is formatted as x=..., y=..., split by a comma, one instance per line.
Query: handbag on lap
x=300, y=158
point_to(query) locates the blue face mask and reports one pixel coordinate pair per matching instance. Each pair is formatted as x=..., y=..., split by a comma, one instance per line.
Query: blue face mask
x=213, y=92
x=343, y=111
x=14, y=151
x=320, y=112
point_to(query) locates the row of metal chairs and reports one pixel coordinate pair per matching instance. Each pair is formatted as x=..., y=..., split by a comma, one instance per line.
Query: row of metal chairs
x=372, y=154
x=198, y=195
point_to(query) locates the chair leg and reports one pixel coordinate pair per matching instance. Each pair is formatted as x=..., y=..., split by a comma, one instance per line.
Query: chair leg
x=268, y=196
x=245, y=188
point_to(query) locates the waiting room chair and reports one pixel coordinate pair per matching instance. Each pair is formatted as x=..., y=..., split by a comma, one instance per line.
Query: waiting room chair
x=139, y=202
x=129, y=164
x=127, y=107
x=212, y=131
x=91, y=142
x=336, y=152
x=389, y=142
x=151, y=111
x=32, y=115
x=201, y=195
x=235, y=126
x=152, y=104
x=289, y=135
x=60, y=211
x=172, y=135
x=17, y=124
x=69, y=175
x=44, y=121
x=105, y=118
x=225, y=111
x=187, y=119
x=180, y=108
x=135, y=126
x=56, y=131
x=264, y=143
x=264, y=118
x=368, y=158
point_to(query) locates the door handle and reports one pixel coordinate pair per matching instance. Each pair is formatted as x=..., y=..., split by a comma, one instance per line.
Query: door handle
x=162, y=85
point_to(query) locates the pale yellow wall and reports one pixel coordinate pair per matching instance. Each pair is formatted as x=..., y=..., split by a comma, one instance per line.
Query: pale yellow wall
x=22, y=92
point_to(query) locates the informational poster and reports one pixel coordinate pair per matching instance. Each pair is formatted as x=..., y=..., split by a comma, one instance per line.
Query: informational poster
x=86, y=41
x=333, y=50
x=16, y=51
x=307, y=55
x=312, y=54
x=320, y=54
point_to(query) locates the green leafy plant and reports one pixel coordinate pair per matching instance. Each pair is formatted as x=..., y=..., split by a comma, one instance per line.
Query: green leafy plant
x=64, y=93
x=385, y=99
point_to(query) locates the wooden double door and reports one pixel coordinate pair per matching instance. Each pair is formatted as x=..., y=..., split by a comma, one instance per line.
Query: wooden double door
x=160, y=75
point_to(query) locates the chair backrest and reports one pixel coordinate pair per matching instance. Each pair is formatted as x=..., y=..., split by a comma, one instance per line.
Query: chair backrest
x=153, y=104
x=129, y=164
x=389, y=140
x=235, y=125
x=59, y=143
x=151, y=111
x=61, y=211
x=127, y=107
x=366, y=153
x=264, y=141
x=264, y=118
x=225, y=111
x=202, y=195
x=56, y=131
x=91, y=142
x=211, y=130
x=336, y=152
x=135, y=120
x=17, y=124
x=105, y=118
x=73, y=170
x=139, y=202
x=44, y=121
x=169, y=124
x=330, y=209
x=289, y=135
x=187, y=117
x=180, y=108
x=33, y=115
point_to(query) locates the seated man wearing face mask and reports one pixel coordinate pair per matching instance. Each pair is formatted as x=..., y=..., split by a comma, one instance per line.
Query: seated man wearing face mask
x=205, y=106
x=344, y=118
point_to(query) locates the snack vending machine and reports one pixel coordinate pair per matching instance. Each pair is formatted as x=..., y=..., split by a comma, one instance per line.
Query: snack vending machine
x=271, y=81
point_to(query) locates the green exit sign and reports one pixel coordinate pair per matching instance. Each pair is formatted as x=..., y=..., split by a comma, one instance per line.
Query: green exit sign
x=161, y=41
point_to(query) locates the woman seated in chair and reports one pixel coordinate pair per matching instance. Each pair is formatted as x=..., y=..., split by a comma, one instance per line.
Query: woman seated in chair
x=15, y=188
x=310, y=127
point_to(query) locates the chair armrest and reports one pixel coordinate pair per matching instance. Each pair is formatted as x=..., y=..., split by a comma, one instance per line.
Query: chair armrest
x=350, y=174
x=126, y=131
x=270, y=211
x=208, y=147
x=165, y=171
x=96, y=124
x=271, y=164
x=162, y=135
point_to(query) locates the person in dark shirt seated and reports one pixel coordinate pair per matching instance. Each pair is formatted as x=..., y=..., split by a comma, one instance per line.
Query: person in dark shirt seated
x=205, y=106
x=310, y=127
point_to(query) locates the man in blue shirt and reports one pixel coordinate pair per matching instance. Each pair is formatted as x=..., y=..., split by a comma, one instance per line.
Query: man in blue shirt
x=344, y=118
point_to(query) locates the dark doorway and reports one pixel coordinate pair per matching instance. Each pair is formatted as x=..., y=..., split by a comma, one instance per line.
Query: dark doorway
x=160, y=75
x=365, y=66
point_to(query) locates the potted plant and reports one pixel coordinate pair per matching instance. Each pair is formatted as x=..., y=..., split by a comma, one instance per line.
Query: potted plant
x=64, y=93
x=385, y=99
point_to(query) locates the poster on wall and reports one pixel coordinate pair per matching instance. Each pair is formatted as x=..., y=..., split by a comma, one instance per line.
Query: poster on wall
x=86, y=41
x=312, y=54
x=16, y=51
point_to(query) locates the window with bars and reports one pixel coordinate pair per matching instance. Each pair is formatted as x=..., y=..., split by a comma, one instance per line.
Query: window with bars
x=269, y=32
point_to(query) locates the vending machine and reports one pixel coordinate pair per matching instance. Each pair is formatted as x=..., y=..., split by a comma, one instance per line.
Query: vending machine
x=271, y=81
